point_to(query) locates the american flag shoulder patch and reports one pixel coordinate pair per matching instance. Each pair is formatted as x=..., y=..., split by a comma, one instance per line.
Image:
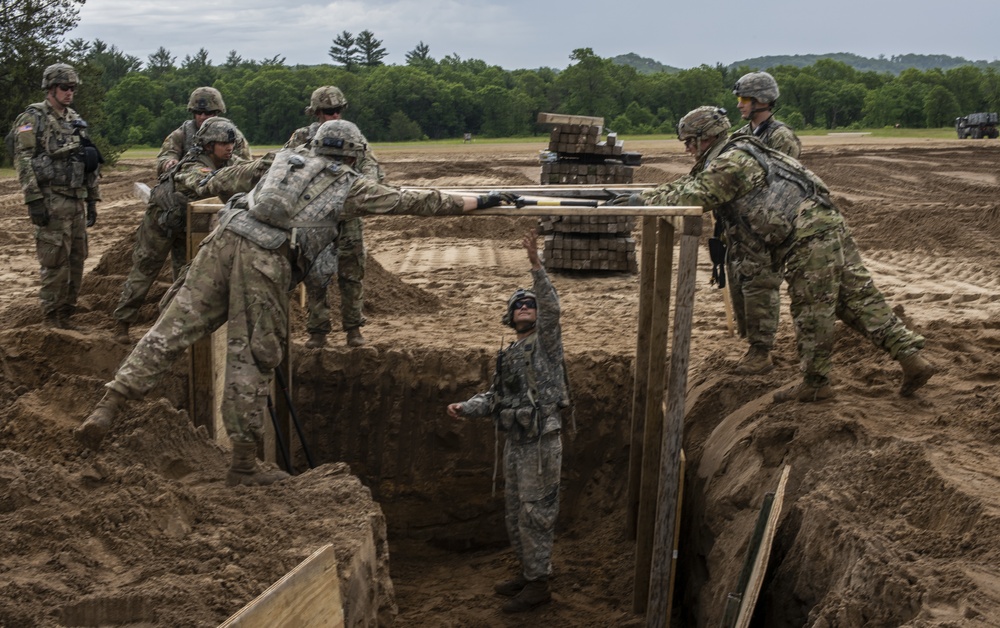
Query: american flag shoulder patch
x=26, y=127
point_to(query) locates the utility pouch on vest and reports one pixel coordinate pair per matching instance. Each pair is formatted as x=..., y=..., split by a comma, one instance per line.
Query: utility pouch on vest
x=171, y=206
x=44, y=168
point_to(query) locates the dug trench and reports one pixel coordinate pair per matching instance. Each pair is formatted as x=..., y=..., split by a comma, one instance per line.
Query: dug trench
x=890, y=515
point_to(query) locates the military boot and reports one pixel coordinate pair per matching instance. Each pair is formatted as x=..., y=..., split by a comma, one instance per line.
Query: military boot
x=354, y=337
x=51, y=321
x=93, y=430
x=805, y=393
x=245, y=470
x=756, y=361
x=534, y=594
x=64, y=315
x=511, y=587
x=316, y=341
x=121, y=333
x=916, y=372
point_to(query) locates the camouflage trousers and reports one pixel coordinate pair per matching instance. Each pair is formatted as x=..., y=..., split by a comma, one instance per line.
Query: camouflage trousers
x=61, y=247
x=755, y=289
x=828, y=280
x=152, y=245
x=350, y=275
x=230, y=280
x=531, y=496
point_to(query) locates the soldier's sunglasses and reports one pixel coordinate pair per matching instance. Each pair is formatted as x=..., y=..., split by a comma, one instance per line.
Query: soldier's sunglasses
x=66, y=87
x=525, y=303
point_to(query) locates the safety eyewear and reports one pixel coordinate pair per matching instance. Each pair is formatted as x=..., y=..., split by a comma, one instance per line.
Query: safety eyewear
x=66, y=87
x=745, y=100
x=525, y=303
x=689, y=141
x=210, y=114
x=331, y=111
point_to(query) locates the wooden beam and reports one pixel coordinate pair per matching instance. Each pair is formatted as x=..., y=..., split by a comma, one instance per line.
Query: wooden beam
x=308, y=595
x=201, y=380
x=562, y=118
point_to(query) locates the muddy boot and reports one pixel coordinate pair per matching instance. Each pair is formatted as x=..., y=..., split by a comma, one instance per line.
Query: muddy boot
x=316, y=341
x=805, y=393
x=534, y=594
x=756, y=361
x=354, y=337
x=512, y=587
x=916, y=372
x=51, y=321
x=93, y=430
x=121, y=333
x=245, y=470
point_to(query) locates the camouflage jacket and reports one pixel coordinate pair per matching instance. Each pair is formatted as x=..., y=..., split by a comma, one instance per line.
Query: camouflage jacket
x=367, y=166
x=199, y=178
x=774, y=134
x=769, y=194
x=52, y=161
x=529, y=384
x=181, y=140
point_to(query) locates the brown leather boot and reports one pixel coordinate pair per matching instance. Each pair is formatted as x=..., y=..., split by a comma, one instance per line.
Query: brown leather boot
x=756, y=361
x=916, y=372
x=354, y=337
x=511, y=587
x=93, y=430
x=245, y=470
x=316, y=341
x=805, y=393
x=121, y=333
x=533, y=595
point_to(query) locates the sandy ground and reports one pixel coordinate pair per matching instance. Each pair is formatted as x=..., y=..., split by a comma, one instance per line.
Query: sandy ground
x=891, y=514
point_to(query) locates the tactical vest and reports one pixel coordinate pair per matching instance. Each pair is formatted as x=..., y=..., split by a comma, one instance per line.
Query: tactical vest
x=189, y=132
x=59, y=149
x=768, y=213
x=520, y=399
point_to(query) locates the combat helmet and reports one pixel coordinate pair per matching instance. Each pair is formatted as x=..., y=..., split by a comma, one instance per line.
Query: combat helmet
x=705, y=121
x=339, y=138
x=326, y=97
x=758, y=85
x=520, y=293
x=216, y=129
x=205, y=99
x=59, y=74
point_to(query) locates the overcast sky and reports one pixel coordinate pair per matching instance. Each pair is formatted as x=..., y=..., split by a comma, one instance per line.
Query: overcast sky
x=530, y=34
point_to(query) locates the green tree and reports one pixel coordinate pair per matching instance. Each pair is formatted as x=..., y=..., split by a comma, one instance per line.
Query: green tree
x=371, y=50
x=940, y=107
x=345, y=50
x=420, y=56
x=160, y=62
x=586, y=87
x=402, y=129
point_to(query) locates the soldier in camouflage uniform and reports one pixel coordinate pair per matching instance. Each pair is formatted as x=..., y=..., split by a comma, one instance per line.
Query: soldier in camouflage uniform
x=753, y=282
x=266, y=241
x=328, y=103
x=786, y=210
x=58, y=168
x=204, y=103
x=529, y=388
x=209, y=169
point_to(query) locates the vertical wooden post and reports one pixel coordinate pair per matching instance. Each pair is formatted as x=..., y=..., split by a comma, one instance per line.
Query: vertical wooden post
x=201, y=368
x=647, y=283
x=653, y=429
x=666, y=514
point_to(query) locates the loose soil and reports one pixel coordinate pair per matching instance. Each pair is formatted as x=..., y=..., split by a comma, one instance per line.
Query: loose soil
x=891, y=516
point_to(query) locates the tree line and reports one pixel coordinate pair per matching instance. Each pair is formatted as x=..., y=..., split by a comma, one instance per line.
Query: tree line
x=130, y=102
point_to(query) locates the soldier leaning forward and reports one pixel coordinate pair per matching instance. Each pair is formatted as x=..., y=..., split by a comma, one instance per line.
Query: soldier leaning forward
x=58, y=167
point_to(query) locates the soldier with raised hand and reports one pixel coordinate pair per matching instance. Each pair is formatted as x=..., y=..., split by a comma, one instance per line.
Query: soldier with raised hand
x=266, y=241
x=754, y=283
x=784, y=209
x=328, y=103
x=204, y=103
x=528, y=391
x=58, y=167
x=209, y=169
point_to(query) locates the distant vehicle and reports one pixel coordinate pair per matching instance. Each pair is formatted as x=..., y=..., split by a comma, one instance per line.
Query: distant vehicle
x=977, y=126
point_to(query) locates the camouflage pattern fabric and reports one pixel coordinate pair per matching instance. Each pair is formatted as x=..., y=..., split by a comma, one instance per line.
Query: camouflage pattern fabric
x=234, y=280
x=533, y=452
x=196, y=179
x=824, y=271
x=181, y=140
x=49, y=168
x=351, y=256
x=754, y=284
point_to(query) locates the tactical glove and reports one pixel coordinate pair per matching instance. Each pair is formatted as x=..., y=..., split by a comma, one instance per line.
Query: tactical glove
x=91, y=213
x=494, y=198
x=626, y=198
x=39, y=212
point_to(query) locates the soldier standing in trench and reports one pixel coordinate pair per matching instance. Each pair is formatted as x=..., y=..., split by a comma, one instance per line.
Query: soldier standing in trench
x=204, y=103
x=328, y=103
x=786, y=210
x=529, y=388
x=58, y=168
x=265, y=242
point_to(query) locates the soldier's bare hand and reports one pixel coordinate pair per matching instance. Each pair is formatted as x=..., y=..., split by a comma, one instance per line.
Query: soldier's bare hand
x=455, y=410
x=168, y=164
x=530, y=244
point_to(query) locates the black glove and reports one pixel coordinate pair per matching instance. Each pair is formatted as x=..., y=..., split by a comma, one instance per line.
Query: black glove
x=39, y=212
x=626, y=198
x=494, y=198
x=91, y=213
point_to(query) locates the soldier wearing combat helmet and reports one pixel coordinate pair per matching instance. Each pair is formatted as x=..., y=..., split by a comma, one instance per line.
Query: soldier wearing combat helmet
x=784, y=210
x=328, y=103
x=58, y=167
x=204, y=103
